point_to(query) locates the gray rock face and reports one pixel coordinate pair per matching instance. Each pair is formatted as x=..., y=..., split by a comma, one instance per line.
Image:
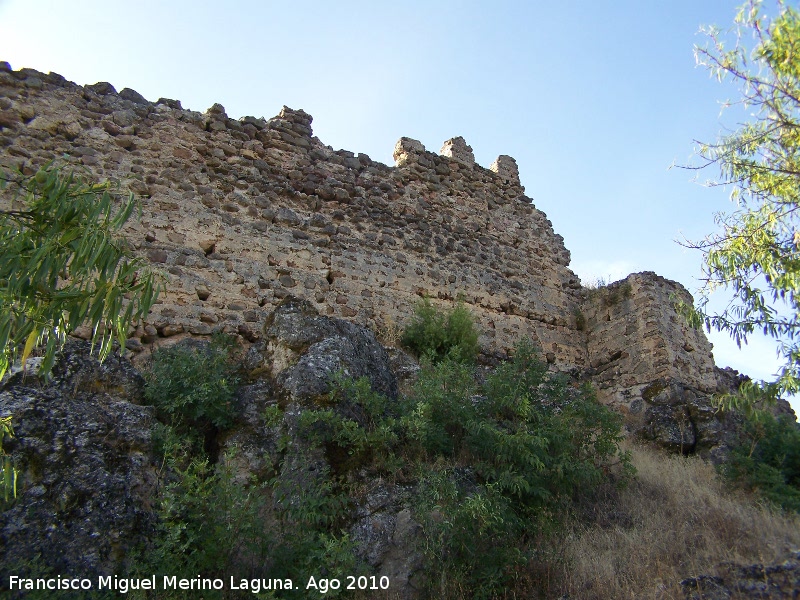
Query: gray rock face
x=314, y=348
x=83, y=453
x=256, y=445
x=683, y=419
x=88, y=474
x=387, y=536
x=302, y=351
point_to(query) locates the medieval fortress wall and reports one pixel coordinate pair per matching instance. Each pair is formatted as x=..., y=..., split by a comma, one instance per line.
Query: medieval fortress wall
x=239, y=214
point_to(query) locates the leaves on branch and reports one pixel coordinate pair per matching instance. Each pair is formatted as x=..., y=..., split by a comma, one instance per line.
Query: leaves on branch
x=62, y=266
x=756, y=254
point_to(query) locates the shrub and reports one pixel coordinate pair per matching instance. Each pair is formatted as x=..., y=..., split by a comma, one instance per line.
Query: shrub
x=359, y=429
x=209, y=525
x=473, y=540
x=609, y=293
x=193, y=386
x=490, y=464
x=497, y=463
x=580, y=320
x=213, y=524
x=440, y=408
x=768, y=459
x=436, y=333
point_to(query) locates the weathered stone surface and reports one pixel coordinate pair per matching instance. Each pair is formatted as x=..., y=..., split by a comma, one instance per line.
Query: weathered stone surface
x=682, y=420
x=650, y=365
x=249, y=446
x=636, y=336
x=256, y=197
x=407, y=149
x=83, y=451
x=300, y=352
x=506, y=167
x=747, y=581
x=324, y=348
x=457, y=149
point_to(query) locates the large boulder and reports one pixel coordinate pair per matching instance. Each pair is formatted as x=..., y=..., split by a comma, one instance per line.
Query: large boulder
x=304, y=351
x=86, y=477
x=682, y=419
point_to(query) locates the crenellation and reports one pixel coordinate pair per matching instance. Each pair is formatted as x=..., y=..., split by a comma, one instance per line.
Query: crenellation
x=506, y=168
x=457, y=149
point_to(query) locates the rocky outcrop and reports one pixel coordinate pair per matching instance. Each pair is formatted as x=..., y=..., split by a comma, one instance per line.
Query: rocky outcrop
x=84, y=454
x=89, y=473
x=307, y=350
x=747, y=581
x=682, y=419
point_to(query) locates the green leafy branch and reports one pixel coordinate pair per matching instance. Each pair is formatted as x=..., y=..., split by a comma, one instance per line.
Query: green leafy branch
x=62, y=266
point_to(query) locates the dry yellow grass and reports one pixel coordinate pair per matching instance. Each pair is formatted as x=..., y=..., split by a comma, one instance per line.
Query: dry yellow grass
x=676, y=519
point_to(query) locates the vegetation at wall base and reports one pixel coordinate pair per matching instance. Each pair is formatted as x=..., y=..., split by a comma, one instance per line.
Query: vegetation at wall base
x=490, y=465
x=500, y=461
x=192, y=386
x=675, y=519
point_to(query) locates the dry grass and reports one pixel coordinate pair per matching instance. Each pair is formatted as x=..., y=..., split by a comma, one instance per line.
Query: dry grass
x=389, y=333
x=675, y=520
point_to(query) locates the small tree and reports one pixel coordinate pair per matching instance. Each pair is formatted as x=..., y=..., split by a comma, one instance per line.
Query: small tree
x=757, y=253
x=61, y=266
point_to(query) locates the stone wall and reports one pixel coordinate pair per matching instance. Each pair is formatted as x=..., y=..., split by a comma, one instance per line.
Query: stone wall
x=635, y=336
x=239, y=214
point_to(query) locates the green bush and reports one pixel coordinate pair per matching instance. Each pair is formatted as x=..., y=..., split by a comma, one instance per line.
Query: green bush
x=213, y=524
x=495, y=461
x=767, y=460
x=358, y=429
x=193, y=386
x=210, y=525
x=440, y=409
x=489, y=464
x=474, y=541
x=436, y=333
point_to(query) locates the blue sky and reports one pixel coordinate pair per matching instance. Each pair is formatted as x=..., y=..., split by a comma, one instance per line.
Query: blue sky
x=594, y=99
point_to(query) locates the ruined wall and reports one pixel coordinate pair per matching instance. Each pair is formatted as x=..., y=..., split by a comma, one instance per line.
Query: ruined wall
x=239, y=214
x=635, y=337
